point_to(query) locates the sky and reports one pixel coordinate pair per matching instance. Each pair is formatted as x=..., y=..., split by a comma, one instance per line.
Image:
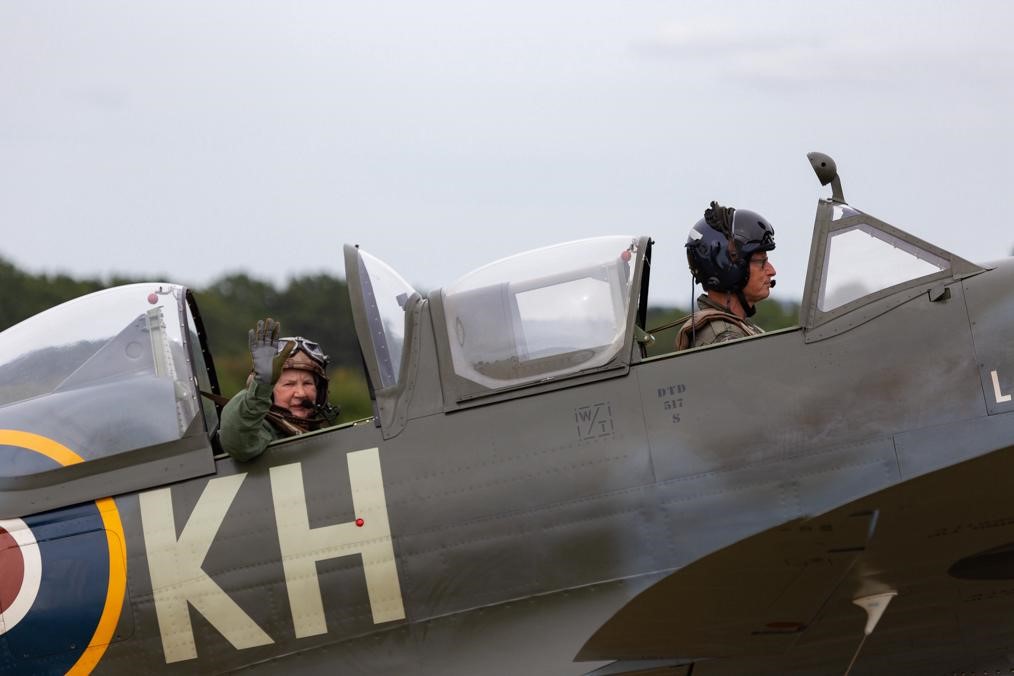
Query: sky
x=187, y=140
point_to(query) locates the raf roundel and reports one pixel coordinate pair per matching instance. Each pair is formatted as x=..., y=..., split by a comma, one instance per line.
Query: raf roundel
x=62, y=574
x=22, y=572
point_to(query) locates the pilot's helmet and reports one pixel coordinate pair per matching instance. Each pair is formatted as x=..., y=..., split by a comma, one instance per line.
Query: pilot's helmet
x=720, y=245
x=307, y=355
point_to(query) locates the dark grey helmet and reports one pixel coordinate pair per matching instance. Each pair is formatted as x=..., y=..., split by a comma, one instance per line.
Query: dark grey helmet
x=720, y=245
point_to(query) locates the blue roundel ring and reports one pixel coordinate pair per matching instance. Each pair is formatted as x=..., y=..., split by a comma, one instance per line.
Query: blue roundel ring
x=63, y=576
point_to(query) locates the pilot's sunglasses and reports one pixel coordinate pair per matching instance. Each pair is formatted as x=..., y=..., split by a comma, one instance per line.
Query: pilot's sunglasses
x=308, y=346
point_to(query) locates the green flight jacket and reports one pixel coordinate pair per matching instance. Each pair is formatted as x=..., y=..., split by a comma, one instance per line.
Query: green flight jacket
x=245, y=431
x=713, y=323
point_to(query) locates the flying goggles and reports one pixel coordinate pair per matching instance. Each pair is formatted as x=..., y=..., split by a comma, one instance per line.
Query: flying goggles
x=310, y=348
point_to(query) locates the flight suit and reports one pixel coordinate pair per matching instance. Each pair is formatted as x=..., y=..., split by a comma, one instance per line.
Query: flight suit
x=713, y=323
x=245, y=431
x=250, y=422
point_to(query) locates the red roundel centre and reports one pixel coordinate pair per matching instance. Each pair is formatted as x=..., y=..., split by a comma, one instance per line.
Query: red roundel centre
x=12, y=569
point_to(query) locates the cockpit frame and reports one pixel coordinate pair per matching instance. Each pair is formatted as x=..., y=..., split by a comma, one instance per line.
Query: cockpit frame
x=836, y=217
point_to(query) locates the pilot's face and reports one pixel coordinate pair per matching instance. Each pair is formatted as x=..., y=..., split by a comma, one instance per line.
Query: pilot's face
x=296, y=390
x=758, y=287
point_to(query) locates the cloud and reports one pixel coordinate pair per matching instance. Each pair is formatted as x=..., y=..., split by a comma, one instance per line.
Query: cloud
x=875, y=59
x=709, y=37
x=106, y=99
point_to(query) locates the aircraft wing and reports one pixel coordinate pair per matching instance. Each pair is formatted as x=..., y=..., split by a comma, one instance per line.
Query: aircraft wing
x=754, y=598
x=783, y=602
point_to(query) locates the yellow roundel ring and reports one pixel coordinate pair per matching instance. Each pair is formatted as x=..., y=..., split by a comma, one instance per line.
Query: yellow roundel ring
x=115, y=538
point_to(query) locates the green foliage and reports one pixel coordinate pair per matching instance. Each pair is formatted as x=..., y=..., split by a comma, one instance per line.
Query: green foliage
x=772, y=315
x=25, y=295
x=665, y=339
x=348, y=386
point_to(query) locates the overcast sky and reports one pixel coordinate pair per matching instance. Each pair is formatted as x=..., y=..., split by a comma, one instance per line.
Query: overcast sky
x=190, y=139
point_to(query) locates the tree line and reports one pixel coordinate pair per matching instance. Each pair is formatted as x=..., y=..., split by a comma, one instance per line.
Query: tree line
x=315, y=306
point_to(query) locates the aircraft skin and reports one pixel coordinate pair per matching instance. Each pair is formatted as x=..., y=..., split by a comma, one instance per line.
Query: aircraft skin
x=716, y=511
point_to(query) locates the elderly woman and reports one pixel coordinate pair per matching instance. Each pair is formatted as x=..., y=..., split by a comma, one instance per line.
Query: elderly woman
x=286, y=393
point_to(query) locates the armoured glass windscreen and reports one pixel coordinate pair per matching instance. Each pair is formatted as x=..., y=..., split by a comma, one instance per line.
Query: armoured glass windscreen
x=384, y=296
x=100, y=375
x=541, y=314
x=864, y=259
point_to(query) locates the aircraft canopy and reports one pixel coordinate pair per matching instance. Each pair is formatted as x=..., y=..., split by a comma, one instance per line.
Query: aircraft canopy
x=100, y=375
x=543, y=313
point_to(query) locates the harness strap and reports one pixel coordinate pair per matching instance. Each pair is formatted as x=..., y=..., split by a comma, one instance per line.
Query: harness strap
x=217, y=398
x=704, y=317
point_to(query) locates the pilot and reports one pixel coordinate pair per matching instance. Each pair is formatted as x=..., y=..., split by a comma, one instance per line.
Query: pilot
x=727, y=253
x=286, y=393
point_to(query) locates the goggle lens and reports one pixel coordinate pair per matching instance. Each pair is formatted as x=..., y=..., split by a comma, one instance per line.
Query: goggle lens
x=308, y=346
